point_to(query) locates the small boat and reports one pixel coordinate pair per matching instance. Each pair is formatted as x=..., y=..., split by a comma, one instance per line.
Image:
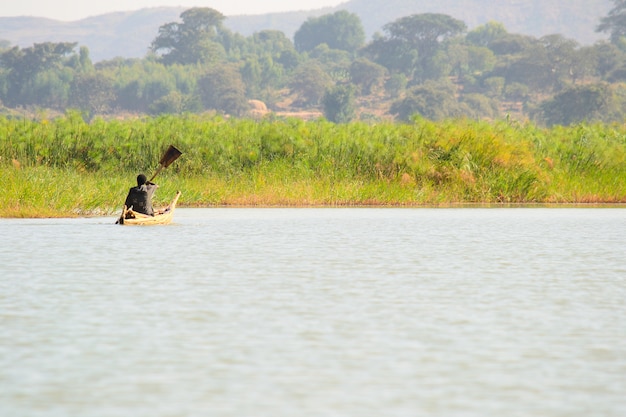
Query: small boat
x=163, y=216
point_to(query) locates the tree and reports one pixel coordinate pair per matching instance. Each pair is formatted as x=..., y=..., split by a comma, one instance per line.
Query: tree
x=221, y=88
x=532, y=68
x=485, y=34
x=532, y=71
x=578, y=103
x=511, y=44
x=544, y=65
x=341, y=30
x=608, y=57
x=481, y=59
x=584, y=63
x=334, y=61
x=615, y=22
x=415, y=41
x=192, y=41
x=367, y=74
x=289, y=59
x=562, y=54
x=92, y=93
x=394, y=54
x=424, y=32
x=310, y=82
x=469, y=59
x=479, y=106
x=516, y=92
x=24, y=65
x=49, y=89
x=395, y=84
x=433, y=100
x=339, y=103
x=141, y=83
x=270, y=42
x=82, y=61
x=174, y=102
x=261, y=74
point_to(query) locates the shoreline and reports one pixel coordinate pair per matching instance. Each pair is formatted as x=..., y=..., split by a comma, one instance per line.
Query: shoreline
x=99, y=213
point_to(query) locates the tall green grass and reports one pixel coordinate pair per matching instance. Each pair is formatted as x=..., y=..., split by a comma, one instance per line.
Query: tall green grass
x=66, y=165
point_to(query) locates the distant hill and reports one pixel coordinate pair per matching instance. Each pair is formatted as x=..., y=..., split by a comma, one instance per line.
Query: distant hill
x=576, y=19
x=129, y=34
x=124, y=34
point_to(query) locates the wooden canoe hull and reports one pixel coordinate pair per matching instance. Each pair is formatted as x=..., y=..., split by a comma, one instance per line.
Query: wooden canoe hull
x=164, y=216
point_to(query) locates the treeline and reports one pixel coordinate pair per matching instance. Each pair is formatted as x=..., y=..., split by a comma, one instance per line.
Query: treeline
x=426, y=64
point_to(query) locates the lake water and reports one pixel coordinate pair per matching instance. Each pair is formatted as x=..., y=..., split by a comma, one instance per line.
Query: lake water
x=316, y=312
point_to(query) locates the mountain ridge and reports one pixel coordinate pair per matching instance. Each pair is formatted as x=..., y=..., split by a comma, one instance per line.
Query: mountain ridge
x=129, y=34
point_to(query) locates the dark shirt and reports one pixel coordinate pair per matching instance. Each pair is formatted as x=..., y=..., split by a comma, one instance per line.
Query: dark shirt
x=140, y=198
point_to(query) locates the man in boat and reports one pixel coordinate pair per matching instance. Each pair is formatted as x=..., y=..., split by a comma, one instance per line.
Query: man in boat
x=140, y=197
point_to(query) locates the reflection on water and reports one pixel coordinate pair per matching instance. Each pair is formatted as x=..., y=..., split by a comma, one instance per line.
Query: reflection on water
x=316, y=312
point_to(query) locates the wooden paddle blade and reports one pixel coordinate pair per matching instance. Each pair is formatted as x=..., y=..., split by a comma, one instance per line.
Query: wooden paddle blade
x=170, y=156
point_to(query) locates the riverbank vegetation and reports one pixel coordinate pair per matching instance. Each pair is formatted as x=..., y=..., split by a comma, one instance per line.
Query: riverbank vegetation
x=66, y=166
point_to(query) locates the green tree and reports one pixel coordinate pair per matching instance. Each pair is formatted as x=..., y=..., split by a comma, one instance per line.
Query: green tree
x=615, y=22
x=82, y=61
x=417, y=39
x=340, y=30
x=339, y=103
x=396, y=84
x=394, y=54
x=577, y=104
x=425, y=32
x=139, y=94
x=367, y=75
x=544, y=65
x=511, y=44
x=92, y=93
x=493, y=86
x=172, y=103
x=139, y=83
x=195, y=40
x=49, y=89
x=532, y=69
x=468, y=59
x=433, y=100
x=562, y=55
x=608, y=57
x=480, y=107
x=261, y=74
x=584, y=63
x=24, y=65
x=309, y=82
x=486, y=34
x=289, y=59
x=233, y=44
x=270, y=42
x=221, y=88
x=516, y=92
x=334, y=61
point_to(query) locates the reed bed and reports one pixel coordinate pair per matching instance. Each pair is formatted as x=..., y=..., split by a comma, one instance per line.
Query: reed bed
x=66, y=166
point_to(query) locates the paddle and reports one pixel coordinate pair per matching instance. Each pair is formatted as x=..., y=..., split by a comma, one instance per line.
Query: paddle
x=170, y=155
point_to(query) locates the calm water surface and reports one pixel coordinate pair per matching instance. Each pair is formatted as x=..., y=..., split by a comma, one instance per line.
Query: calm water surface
x=316, y=312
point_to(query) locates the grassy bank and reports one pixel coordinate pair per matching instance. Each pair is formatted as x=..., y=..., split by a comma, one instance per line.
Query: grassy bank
x=68, y=167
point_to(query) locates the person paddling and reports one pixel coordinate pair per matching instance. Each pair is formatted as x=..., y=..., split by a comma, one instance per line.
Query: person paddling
x=140, y=197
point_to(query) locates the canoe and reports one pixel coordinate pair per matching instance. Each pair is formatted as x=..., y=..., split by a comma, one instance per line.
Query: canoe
x=163, y=216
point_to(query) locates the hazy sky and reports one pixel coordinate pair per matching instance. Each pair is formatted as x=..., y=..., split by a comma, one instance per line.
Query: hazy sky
x=77, y=9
